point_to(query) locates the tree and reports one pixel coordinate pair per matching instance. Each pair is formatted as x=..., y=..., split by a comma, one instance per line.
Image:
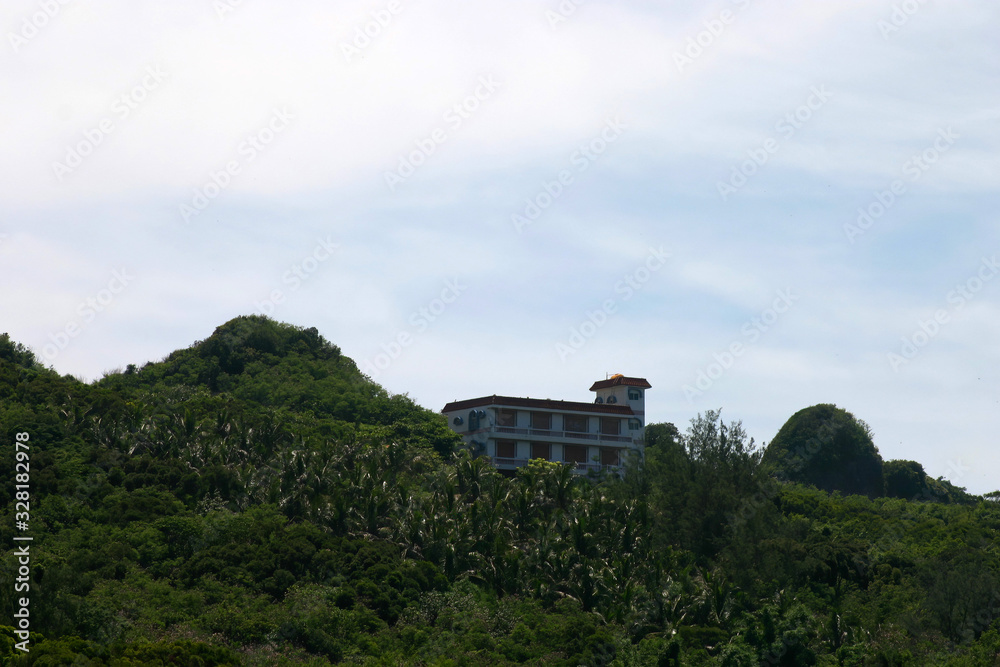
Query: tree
x=829, y=448
x=662, y=435
x=699, y=482
x=16, y=353
x=903, y=479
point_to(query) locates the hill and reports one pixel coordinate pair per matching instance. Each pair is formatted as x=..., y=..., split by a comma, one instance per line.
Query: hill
x=829, y=447
x=254, y=499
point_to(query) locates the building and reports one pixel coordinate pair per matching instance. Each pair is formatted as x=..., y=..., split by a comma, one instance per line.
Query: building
x=595, y=436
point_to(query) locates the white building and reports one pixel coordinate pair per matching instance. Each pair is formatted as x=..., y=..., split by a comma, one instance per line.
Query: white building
x=594, y=436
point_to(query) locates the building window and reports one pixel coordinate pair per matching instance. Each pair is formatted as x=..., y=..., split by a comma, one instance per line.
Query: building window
x=506, y=418
x=540, y=450
x=610, y=456
x=575, y=453
x=610, y=425
x=506, y=449
x=634, y=424
x=541, y=421
x=575, y=423
x=634, y=394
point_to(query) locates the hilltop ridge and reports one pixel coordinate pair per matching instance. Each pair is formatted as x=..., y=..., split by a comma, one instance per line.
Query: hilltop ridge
x=254, y=499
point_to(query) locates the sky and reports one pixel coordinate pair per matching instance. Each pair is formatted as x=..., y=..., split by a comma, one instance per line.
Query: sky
x=756, y=206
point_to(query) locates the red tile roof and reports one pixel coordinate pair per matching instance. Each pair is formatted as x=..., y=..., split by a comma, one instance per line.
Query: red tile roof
x=618, y=380
x=542, y=403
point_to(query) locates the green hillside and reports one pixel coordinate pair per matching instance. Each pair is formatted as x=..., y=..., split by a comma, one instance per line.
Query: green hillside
x=256, y=500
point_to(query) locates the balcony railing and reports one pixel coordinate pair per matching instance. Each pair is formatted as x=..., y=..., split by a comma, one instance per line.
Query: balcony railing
x=596, y=467
x=507, y=463
x=501, y=462
x=562, y=435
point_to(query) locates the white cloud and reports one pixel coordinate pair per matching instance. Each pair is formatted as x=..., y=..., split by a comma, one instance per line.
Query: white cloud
x=657, y=185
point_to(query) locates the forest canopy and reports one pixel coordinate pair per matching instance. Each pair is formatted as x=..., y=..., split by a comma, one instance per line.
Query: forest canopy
x=254, y=499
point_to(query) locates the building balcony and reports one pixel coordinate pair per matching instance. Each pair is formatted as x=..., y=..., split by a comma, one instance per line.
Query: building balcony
x=508, y=464
x=535, y=434
x=596, y=467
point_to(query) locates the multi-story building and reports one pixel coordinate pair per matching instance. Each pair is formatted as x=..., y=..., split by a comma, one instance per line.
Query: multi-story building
x=594, y=436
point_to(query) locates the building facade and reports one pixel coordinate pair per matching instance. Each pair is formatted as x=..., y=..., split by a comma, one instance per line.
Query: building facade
x=593, y=436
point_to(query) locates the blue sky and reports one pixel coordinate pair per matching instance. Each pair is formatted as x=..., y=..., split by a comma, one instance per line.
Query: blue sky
x=489, y=187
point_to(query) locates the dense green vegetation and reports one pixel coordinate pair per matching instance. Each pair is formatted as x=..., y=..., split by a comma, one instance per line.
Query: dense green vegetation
x=255, y=500
x=830, y=448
